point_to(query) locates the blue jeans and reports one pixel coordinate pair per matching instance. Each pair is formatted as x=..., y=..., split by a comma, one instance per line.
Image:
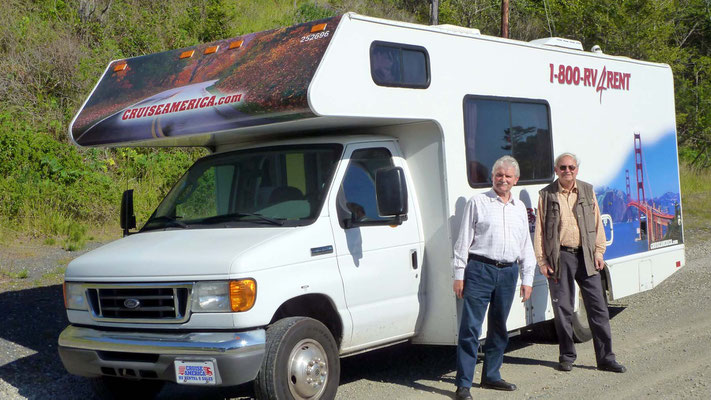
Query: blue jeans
x=484, y=284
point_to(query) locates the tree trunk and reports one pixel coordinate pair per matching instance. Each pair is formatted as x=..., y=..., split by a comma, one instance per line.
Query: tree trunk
x=434, y=12
x=504, y=18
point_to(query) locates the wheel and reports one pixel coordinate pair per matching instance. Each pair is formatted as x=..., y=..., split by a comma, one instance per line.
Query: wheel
x=107, y=387
x=581, y=326
x=300, y=362
x=545, y=331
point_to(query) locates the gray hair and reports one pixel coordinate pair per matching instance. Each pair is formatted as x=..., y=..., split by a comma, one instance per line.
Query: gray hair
x=506, y=161
x=571, y=155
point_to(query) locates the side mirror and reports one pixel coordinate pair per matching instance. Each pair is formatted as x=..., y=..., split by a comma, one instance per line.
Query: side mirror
x=391, y=193
x=128, y=218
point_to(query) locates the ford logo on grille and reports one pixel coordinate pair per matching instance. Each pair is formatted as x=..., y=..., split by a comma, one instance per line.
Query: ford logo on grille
x=131, y=303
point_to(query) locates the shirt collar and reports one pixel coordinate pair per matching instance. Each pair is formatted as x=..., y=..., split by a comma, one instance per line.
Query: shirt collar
x=563, y=190
x=491, y=194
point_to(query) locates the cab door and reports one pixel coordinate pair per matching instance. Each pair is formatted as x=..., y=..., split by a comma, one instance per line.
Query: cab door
x=379, y=259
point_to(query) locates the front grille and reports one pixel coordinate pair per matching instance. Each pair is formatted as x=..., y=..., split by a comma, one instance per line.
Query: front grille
x=140, y=303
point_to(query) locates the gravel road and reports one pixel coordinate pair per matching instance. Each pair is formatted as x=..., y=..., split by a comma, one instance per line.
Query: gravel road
x=663, y=336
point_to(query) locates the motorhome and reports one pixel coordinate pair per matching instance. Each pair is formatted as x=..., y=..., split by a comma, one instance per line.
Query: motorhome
x=321, y=224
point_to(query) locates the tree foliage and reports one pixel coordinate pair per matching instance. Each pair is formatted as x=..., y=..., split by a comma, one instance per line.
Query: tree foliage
x=53, y=51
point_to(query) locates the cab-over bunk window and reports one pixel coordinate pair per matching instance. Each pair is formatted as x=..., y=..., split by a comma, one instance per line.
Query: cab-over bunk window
x=399, y=65
x=495, y=127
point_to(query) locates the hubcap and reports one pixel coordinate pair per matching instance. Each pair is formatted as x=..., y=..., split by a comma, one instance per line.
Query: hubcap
x=308, y=370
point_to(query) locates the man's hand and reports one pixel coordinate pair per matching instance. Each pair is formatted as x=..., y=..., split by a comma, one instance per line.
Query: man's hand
x=525, y=293
x=599, y=263
x=458, y=288
x=546, y=270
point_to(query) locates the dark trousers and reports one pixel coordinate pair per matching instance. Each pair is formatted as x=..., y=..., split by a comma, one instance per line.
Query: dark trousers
x=484, y=285
x=572, y=269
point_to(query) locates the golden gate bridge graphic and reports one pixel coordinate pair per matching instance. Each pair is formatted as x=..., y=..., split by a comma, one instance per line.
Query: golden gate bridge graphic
x=652, y=220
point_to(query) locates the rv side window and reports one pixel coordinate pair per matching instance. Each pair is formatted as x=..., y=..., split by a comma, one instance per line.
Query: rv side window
x=497, y=127
x=399, y=65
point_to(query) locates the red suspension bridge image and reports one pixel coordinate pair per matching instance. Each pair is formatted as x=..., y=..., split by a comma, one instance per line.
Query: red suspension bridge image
x=652, y=219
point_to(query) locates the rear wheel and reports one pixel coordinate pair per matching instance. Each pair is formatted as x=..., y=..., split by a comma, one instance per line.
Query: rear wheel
x=581, y=326
x=300, y=361
x=107, y=387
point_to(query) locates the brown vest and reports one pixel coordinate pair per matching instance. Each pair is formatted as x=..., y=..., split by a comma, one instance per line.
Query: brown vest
x=584, y=212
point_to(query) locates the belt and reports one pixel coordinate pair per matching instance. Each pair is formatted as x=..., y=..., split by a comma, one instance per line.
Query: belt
x=486, y=260
x=573, y=250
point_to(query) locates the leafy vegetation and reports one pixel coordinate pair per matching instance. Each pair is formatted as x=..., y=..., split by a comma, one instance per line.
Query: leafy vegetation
x=696, y=198
x=53, y=51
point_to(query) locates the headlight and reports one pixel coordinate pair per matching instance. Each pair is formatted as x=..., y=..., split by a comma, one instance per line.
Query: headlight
x=211, y=297
x=74, y=296
x=224, y=296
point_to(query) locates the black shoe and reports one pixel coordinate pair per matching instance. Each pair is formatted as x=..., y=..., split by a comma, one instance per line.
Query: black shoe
x=462, y=393
x=566, y=366
x=499, y=385
x=612, y=367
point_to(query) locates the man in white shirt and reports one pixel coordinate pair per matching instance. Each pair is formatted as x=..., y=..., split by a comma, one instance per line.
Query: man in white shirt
x=493, y=240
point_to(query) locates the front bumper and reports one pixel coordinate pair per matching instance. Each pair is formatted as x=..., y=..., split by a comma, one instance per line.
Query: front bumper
x=144, y=355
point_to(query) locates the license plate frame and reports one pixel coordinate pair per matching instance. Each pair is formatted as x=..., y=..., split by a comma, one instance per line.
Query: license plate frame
x=196, y=372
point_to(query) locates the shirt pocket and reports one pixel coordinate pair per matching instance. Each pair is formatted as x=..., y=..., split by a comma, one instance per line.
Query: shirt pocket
x=589, y=215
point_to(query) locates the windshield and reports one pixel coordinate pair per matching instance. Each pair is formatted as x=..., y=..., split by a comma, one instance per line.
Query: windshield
x=273, y=186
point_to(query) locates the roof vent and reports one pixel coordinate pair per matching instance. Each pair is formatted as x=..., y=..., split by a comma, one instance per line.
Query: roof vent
x=460, y=29
x=560, y=42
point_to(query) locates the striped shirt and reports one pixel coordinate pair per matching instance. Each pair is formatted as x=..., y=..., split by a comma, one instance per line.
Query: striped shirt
x=496, y=230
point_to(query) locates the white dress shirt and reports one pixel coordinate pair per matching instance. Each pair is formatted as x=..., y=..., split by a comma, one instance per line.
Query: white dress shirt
x=496, y=230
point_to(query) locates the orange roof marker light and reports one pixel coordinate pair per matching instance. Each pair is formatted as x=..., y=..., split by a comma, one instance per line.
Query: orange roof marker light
x=318, y=28
x=236, y=44
x=120, y=66
x=187, y=54
x=211, y=49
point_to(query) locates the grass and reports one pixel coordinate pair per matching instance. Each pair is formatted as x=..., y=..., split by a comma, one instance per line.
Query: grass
x=696, y=198
x=22, y=274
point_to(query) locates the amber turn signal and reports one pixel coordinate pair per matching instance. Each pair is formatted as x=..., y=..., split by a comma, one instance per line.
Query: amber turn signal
x=243, y=293
x=187, y=54
x=235, y=45
x=318, y=28
x=120, y=66
x=211, y=49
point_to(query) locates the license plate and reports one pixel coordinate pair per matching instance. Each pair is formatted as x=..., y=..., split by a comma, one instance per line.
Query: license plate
x=195, y=372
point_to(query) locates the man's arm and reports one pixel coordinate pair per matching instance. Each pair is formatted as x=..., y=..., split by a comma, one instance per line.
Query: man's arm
x=461, y=247
x=527, y=259
x=600, y=240
x=538, y=245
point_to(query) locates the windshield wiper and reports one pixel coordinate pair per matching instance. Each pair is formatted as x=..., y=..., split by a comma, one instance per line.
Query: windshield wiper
x=239, y=216
x=167, y=222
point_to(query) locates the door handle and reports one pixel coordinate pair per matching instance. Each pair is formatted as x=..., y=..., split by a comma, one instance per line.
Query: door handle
x=413, y=257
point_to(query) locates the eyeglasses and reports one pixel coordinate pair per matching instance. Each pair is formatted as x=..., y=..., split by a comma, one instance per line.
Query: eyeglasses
x=569, y=167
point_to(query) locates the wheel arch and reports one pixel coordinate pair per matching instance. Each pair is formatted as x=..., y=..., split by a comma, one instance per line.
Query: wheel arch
x=314, y=305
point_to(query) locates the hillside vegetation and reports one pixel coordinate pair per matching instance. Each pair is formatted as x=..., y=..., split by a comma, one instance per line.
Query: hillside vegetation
x=52, y=52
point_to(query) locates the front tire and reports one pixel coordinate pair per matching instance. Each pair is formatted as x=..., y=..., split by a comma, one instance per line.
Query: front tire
x=300, y=362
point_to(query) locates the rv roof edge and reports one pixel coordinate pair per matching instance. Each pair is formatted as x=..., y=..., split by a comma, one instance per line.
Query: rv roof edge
x=559, y=42
x=460, y=29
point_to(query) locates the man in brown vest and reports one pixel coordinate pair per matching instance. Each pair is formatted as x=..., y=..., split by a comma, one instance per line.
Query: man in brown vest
x=569, y=244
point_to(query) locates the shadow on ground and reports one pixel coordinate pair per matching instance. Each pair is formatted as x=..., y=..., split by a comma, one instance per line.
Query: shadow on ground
x=34, y=318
